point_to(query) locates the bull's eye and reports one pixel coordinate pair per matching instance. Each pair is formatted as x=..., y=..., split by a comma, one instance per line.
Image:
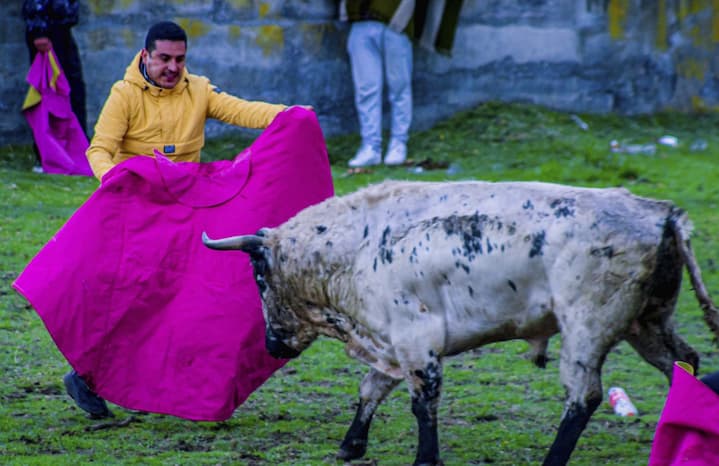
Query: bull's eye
x=259, y=261
x=261, y=283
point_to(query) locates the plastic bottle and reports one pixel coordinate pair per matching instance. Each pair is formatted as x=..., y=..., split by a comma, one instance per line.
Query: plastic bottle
x=647, y=149
x=668, y=140
x=698, y=145
x=620, y=402
x=581, y=123
x=454, y=169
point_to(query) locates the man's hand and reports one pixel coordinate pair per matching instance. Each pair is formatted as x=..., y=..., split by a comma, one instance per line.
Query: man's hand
x=42, y=44
x=306, y=107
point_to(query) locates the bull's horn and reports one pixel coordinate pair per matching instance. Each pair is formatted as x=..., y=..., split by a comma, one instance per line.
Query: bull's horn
x=244, y=243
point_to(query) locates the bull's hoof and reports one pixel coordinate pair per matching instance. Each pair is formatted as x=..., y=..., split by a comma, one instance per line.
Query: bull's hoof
x=351, y=450
x=540, y=361
x=438, y=463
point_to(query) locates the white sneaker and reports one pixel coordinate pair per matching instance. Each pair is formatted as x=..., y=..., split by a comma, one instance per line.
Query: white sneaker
x=37, y=169
x=366, y=156
x=396, y=153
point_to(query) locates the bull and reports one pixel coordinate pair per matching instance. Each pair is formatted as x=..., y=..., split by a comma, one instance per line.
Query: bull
x=408, y=273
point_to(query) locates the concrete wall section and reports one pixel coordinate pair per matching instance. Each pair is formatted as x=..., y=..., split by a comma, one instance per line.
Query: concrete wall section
x=627, y=56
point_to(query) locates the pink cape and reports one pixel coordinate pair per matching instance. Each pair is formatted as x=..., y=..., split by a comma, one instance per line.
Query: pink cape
x=688, y=429
x=151, y=318
x=57, y=133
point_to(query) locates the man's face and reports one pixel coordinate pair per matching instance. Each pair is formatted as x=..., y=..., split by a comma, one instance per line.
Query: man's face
x=164, y=65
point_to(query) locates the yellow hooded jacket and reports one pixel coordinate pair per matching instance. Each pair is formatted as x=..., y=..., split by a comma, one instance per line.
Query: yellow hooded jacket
x=139, y=118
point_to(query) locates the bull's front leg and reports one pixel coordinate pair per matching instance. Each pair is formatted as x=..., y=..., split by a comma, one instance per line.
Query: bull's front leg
x=374, y=388
x=426, y=388
x=580, y=367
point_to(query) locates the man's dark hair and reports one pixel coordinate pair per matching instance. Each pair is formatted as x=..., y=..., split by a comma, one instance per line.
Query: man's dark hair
x=164, y=30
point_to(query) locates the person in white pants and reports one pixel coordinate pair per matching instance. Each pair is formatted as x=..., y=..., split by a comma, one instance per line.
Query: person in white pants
x=380, y=50
x=381, y=54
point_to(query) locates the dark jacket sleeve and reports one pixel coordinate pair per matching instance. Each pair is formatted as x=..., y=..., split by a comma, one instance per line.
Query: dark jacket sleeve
x=42, y=16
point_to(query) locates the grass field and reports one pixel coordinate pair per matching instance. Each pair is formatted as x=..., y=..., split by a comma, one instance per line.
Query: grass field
x=497, y=408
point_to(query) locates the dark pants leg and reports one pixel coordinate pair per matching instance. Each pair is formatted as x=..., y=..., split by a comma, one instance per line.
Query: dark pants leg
x=712, y=381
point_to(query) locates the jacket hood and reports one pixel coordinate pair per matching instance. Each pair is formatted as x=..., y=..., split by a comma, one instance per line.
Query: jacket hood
x=134, y=76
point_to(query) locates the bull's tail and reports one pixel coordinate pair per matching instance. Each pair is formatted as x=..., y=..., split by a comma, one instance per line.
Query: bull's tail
x=681, y=225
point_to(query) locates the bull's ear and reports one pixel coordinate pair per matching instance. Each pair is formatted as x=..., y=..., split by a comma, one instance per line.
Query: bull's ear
x=248, y=243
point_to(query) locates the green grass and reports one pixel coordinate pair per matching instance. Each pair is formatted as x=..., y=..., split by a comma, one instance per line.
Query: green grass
x=497, y=407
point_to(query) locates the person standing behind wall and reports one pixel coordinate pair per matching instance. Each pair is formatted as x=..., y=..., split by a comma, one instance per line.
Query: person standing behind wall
x=48, y=25
x=380, y=51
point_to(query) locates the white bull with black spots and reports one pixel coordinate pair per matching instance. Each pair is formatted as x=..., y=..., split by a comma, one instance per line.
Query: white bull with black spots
x=407, y=273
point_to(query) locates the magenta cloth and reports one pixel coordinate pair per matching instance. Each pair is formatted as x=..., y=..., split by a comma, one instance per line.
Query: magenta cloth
x=149, y=316
x=688, y=429
x=58, y=135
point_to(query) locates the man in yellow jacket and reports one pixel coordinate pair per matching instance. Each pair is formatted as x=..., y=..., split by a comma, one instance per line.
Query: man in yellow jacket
x=158, y=105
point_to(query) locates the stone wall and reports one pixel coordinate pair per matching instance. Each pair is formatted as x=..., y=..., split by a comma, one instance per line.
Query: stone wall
x=597, y=56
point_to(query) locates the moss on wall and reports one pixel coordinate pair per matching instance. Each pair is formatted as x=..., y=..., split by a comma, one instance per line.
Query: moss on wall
x=617, y=13
x=193, y=27
x=102, y=7
x=234, y=33
x=271, y=39
x=661, y=41
x=692, y=68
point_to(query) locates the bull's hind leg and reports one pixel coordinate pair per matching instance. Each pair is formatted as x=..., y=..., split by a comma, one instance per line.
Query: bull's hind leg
x=657, y=342
x=374, y=388
x=652, y=334
x=579, y=369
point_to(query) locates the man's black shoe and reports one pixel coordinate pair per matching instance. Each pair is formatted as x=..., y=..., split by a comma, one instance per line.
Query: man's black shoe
x=84, y=398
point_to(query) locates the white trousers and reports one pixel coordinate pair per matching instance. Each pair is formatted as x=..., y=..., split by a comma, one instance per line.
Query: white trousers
x=379, y=55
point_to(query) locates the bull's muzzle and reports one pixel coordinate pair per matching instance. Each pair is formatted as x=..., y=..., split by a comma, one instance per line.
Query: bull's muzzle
x=277, y=348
